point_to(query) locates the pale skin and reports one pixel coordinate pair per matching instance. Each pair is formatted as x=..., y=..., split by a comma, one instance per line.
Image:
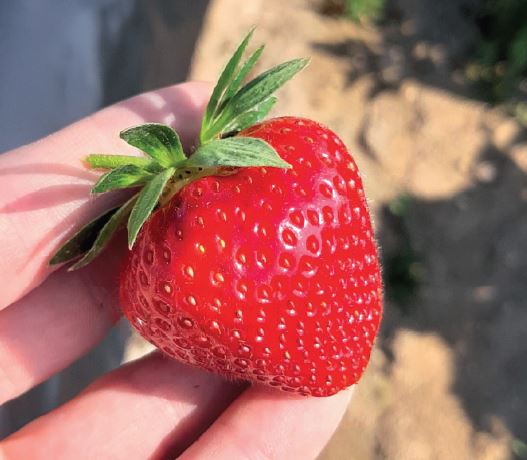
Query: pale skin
x=150, y=408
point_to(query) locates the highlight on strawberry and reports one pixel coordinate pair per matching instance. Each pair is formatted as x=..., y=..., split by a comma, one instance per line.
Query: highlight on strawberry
x=252, y=256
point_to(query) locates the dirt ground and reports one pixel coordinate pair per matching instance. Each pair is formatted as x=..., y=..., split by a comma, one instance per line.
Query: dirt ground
x=448, y=376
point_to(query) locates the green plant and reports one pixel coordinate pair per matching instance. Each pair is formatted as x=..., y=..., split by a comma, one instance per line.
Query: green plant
x=500, y=64
x=365, y=10
x=403, y=268
x=362, y=11
x=519, y=448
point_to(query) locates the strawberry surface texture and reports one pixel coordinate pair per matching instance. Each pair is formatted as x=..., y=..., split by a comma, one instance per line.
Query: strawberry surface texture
x=268, y=275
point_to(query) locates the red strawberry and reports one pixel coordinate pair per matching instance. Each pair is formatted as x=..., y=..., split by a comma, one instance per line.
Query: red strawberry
x=267, y=274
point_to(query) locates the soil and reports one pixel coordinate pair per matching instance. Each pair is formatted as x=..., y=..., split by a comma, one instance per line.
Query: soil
x=448, y=376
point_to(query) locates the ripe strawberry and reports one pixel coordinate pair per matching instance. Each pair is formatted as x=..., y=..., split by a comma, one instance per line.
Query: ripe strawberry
x=260, y=263
x=267, y=274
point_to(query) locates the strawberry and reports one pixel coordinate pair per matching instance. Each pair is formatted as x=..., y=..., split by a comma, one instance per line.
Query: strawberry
x=253, y=257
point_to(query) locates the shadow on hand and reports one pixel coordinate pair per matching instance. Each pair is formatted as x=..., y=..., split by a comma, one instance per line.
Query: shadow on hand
x=157, y=376
x=54, y=169
x=47, y=197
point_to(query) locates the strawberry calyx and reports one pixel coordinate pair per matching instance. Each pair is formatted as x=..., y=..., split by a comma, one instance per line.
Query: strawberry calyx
x=166, y=168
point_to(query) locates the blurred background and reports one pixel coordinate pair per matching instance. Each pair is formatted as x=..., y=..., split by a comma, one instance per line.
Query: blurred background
x=431, y=98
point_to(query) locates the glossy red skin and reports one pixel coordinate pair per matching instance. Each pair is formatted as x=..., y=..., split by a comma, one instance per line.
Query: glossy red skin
x=269, y=275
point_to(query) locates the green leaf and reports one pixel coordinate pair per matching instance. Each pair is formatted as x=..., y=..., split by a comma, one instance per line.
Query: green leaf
x=225, y=77
x=122, y=177
x=263, y=86
x=98, y=161
x=254, y=93
x=517, y=53
x=237, y=151
x=105, y=234
x=158, y=141
x=83, y=240
x=242, y=74
x=146, y=202
x=519, y=448
x=247, y=119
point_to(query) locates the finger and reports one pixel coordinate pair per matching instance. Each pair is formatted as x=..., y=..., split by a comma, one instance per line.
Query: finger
x=151, y=408
x=265, y=424
x=45, y=186
x=61, y=320
x=57, y=322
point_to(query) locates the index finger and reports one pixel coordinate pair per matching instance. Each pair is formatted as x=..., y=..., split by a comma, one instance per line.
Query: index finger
x=45, y=186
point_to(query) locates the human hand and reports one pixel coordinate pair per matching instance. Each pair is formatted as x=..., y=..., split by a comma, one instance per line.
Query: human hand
x=150, y=408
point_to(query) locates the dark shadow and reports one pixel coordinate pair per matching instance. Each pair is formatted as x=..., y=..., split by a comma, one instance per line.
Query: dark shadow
x=426, y=40
x=47, y=197
x=53, y=169
x=471, y=249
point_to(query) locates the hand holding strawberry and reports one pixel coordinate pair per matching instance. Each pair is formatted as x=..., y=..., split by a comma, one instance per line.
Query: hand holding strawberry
x=254, y=255
x=153, y=407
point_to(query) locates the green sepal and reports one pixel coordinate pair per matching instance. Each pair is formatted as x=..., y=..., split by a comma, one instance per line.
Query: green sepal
x=236, y=151
x=242, y=74
x=101, y=161
x=158, y=141
x=117, y=219
x=83, y=240
x=252, y=117
x=121, y=177
x=225, y=78
x=254, y=93
x=263, y=86
x=146, y=202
